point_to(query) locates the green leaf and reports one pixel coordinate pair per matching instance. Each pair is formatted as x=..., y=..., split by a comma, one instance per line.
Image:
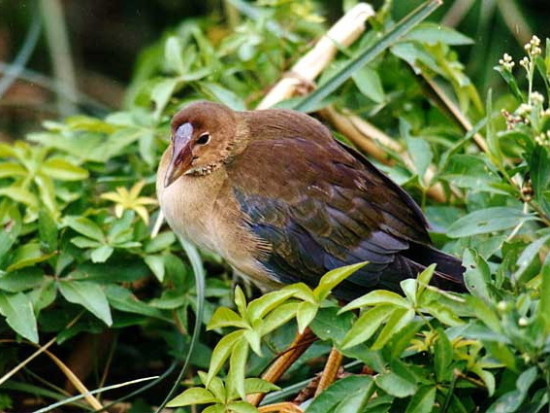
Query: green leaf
x=221, y=353
x=544, y=304
x=266, y=303
x=161, y=94
x=432, y=33
x=156, y=264
x=420, y=150
x=83, y=242
x=20, y=195
x=27, y=255
x=399, y=319
x=89, y=295
x=395, y=384
x=511, y=401
x=424, y=279
x=18, y=310
x=369, y=83
x=241, y=407
x=61, y=169
x=366, y=325
x=85, y=227
x=194, y=395
x=11, y=169
x=331, y=326
x=240, y=301
x=276, y=318
x=237, y=368
x=336, y=394
x=173, y=55
x=101, y=254
x=410, y=288
x=487, y=377
x=423, y=401
x=477, y=276
x=334, y=277
x=305, y=315
x=223, y=95
x=255, y=385
x=124, y=300
x=539, y=164
x=160, y=243
x=366, y=56
x=22, y=280
x=47, y=230
x=527, y=257
x=488, y=220
x=377, y=297
x=443, y=356
x=225, y=317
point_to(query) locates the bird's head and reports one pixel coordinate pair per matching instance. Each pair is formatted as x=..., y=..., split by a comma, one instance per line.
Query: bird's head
x=203, y=134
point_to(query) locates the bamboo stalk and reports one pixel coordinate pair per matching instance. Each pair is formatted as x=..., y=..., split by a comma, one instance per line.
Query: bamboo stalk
x=344, y=32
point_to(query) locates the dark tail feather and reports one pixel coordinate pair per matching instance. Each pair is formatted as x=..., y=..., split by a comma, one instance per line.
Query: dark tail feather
x=448, y=272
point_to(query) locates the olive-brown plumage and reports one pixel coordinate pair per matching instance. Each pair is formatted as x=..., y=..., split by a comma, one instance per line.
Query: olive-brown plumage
x=274, y=194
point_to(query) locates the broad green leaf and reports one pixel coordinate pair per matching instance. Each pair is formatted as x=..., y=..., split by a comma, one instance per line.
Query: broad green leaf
x=424, y=279
x=43, y=296
x=410, y=288
x=330, y=325
x=89, y=295
x=423, y=401
x=84, y=226
x=485, y=313
x=173, y=55
x=101, y=254
x=61, y=169
x=369, y=83
x=528, y=255
x=225, y=317
x=223, y=95
x=511, y=401
x=488, y=220
x=27, y=255
x=399, y=319
x=22, y=280
x=18, y=310
x=215, y=408
x=160, y=243
x=339, y=391
x=241, y=407
x=11, y=170
x=47, y=230
x=544, y=304
x=477, y=276
x=156, y=264
x=258, y=308
x=420, y=150
x=395, y=384
x=240, y=301
x=443, y=313
x=443, y=356
x=254, y=340
x=301, y=291
x=194, y=395
x=254, y=385
x=11, y=223
x=161, y=94
x=83, y=242
x=377, y=297
x=334, y=277
x=305, y=315
x=279, y=316
x=237, y=368
x=123, y=300
x=221, y=353
x=366, y=325
x=539, y=164
x=432, y=33
x=21, y=195
x=487, y=377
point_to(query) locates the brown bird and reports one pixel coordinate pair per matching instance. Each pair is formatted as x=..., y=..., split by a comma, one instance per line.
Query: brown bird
x=274, y=194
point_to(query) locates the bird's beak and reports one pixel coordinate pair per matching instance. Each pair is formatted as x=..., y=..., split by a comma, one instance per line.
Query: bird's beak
x=182, y=154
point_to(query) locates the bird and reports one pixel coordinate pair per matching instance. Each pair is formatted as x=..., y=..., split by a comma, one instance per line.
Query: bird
x=282, y=201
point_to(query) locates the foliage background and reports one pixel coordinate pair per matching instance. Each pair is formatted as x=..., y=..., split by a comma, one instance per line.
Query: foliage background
x=77, y=185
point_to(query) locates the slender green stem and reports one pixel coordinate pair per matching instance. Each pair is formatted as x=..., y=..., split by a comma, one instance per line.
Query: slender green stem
x=397, y=32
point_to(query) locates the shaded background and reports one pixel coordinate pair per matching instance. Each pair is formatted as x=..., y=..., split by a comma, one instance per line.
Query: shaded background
x=106, y=38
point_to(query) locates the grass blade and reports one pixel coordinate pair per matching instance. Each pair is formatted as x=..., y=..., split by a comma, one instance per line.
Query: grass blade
x=367, y=56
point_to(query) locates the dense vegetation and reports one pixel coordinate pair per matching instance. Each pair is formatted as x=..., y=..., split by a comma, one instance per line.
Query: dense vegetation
x=81, y=275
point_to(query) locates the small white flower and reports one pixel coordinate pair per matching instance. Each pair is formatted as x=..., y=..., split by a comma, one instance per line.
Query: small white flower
x=522, y=322
x=525, y=62
x=537, y=98
x=524, y=109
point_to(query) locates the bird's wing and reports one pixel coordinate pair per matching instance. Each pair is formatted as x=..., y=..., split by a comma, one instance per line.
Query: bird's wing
x=321, y=206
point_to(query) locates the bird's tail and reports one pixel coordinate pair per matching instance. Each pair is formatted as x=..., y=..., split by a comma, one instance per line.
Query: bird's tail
x=449, y=271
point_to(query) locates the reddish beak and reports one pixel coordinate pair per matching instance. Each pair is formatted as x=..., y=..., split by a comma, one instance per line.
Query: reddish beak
x=182, y=154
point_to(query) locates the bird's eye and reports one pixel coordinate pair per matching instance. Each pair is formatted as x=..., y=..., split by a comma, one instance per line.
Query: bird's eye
x=203, y=139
